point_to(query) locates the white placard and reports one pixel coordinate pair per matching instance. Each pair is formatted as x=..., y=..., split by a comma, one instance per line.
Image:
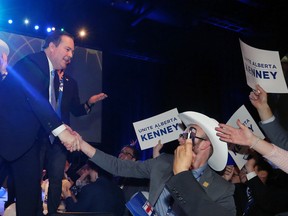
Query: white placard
x=164, y=127
x=263, y=67
x=237, y=152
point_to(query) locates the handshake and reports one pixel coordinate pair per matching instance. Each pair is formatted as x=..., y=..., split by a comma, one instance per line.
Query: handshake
x=71, y=139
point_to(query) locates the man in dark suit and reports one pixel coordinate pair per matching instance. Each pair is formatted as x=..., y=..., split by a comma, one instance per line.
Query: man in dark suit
x=54, y=156
x=26, y=113
x=210, y=153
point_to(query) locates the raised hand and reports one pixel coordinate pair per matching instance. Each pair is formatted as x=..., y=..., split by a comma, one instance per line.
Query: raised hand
x=228, y=173
x=95, y=98
x=183, y=157
x=157, y=149
x=258, y=98
x=241, y=136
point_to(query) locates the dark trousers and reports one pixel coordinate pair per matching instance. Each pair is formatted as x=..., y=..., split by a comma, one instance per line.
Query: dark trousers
x=26, y=176
x=53, y=158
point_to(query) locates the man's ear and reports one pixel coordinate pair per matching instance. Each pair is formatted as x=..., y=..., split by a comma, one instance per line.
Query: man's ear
x=205, y=144
x=51, y=46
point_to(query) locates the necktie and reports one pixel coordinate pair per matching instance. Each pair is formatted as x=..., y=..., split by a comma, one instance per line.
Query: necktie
x=58, y=105
x=250, y=201
x=52, y=99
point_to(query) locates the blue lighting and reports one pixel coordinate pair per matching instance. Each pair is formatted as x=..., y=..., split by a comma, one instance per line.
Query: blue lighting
x=10, y=21
x=36, y=27
x=49, y=29
x=26, y=21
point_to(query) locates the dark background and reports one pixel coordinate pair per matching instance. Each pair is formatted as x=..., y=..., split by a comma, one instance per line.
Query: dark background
x=162, y=54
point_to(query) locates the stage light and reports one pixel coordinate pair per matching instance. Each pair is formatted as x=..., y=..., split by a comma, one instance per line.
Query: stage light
x=53, y=28
x=49, y=29
x=62, y=29
x=36, y=27
x=10, y=21
x=82, y=33
x=26, y=21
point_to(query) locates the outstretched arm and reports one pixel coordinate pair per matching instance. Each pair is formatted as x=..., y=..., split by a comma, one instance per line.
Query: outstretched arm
x=243, y=136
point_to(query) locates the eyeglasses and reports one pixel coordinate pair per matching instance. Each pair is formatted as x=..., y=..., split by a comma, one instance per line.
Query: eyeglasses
x=126, y=153
x=191, y=134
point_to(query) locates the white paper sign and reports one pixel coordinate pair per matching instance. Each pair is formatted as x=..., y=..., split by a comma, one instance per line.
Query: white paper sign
x=237, y=152
x=164, y=127
x=263, y=67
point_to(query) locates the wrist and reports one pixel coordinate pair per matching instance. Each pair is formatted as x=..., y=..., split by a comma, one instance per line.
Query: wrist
x=255, y=142
x=89, y=105
x=265, y=112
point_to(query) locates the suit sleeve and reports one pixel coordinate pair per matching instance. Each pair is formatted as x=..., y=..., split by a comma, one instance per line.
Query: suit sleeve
x=34, y=83
x=124, y=168
x=276, y=133
x=269, y=198
x=76, y=108
x=192, y=198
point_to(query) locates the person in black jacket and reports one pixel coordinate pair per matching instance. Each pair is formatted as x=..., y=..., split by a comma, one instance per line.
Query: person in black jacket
x=25, y=113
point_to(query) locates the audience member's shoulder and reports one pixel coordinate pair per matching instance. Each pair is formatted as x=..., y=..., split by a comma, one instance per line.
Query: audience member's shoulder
x=218, y=179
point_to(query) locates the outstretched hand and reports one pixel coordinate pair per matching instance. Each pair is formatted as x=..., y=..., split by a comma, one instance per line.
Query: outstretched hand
x=241, y=136
x=258, y=97
x=96, y=98
x=70, y=139
x=157, y=149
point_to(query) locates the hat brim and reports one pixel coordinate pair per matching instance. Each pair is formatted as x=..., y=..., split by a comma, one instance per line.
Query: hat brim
x=218, y=159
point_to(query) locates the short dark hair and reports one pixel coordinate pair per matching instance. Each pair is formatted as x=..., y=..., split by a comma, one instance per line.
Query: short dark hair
x=55, y=37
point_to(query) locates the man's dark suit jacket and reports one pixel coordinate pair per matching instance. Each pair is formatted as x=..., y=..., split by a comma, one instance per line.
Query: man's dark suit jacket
x=24, y=106
x=268, y=199
x=70, y=99
x=100, y=196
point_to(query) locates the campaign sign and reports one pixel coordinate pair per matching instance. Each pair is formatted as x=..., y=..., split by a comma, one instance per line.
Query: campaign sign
x=138, y=205
x=237, y=152
x=164, y=127
x=263, y=67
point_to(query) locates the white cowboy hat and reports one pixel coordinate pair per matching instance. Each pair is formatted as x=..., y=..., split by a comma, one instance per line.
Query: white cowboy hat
x=218, y=159
x=4, y=48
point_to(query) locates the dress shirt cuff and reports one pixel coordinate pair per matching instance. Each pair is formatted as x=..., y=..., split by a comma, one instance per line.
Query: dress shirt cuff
x=268, y=120
x=59, y=130
x=251, y=175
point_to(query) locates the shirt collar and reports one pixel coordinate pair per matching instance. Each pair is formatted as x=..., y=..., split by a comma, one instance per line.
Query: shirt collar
x=51, y=68
x=199, y=171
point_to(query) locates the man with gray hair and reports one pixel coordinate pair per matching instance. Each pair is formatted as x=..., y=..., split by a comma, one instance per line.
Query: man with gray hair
x=4, y=52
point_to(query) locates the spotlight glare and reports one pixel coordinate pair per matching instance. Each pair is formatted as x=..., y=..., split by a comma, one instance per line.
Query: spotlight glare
x=53, y=28
x=36, y=27
x=82, y=33
x=10, y=21
x=26, y=21
x=49, y=29
x=62, y=29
